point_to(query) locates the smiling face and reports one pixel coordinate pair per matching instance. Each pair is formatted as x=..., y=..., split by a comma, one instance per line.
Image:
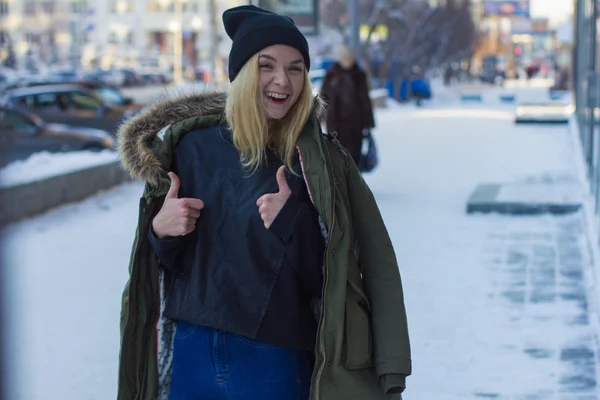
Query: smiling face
x=281, y=78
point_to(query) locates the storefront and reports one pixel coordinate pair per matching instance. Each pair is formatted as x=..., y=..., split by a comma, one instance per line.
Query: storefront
x=586, y=86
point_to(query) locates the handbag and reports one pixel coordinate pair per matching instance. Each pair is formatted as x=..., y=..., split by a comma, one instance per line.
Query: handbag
x=368, y=156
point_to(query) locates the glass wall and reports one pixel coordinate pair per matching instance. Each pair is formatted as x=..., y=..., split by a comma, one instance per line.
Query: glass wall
x=586, y=86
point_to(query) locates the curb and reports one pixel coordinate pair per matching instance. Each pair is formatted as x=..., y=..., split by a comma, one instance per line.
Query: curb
x=487, y=198
x=471, y=97
x=32, y=198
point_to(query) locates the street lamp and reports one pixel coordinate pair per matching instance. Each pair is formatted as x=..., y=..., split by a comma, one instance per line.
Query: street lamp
x=178, y=43
x=176, y=26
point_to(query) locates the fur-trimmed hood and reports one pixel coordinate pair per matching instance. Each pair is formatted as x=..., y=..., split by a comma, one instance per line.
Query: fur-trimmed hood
x=136, y=135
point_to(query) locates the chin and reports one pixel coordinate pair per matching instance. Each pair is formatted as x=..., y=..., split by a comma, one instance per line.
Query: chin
x=276, y=115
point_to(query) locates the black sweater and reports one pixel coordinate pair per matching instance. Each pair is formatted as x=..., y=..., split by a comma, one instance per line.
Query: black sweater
x=232, y=273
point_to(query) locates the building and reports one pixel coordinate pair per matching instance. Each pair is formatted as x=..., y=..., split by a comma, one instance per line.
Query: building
x=115, y=33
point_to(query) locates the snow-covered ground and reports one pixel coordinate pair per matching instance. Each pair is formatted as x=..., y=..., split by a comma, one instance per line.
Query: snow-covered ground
x=497, y=305
x=44, y=165
x=469, y=340
x=65, y=272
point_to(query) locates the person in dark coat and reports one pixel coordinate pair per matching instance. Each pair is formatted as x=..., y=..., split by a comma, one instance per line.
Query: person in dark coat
x=349, y=110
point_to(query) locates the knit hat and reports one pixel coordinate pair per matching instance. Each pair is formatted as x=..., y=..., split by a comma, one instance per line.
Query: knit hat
x=252, y=29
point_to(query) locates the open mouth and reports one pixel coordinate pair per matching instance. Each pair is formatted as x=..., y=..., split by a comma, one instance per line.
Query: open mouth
x=277, y=98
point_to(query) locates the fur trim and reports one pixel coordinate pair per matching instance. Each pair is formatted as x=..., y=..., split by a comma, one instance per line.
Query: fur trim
x=136, y=135
x=319, y=107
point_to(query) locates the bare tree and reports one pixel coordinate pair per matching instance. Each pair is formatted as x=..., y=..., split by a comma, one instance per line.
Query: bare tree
x=417, y=34
x=334, y=14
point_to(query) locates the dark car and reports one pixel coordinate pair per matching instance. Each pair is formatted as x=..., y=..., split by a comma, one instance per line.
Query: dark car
x=493, y=70
x=71, y=105
x=22, y=133
x=108, y=93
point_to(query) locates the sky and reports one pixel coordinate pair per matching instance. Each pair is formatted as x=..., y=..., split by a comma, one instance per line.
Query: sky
x=556, y=10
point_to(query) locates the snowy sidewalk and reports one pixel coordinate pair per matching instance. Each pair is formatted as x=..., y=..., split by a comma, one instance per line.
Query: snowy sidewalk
x=497, y=305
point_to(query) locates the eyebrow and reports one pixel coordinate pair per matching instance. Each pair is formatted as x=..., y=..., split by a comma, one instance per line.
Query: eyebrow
x=298, y=61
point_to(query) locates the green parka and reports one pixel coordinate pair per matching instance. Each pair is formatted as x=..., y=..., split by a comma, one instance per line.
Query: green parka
x=362, y=343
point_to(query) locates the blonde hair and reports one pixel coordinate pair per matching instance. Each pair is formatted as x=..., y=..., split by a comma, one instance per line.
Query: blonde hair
x=344, y=52
x=252, y=130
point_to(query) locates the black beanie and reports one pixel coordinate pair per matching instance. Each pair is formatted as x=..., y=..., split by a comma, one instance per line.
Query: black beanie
x=252, y=29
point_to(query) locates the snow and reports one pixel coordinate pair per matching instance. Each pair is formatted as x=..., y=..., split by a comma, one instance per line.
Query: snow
x=66, y=271
x=67, y=268
x=45, y=165
x=569, y=193
x=462, y=336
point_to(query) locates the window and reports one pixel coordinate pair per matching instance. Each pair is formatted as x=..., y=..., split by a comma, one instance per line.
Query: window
x=152, y=6
x=29, y=7
x=16, y=121
x=42, y=100
x=121, y=6
x=4, y=8
x=79, y=7
x=163, y=6
x=82, y=101
x=30, y=37
x=111, y=95
x=49, y=7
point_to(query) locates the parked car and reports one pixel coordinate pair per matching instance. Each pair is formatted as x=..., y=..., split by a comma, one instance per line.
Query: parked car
x=109, y=93
x=71, y=105
x=156, y=78
x=493, y=70
x=106, y=77
x=23, y=133
x=125, y=77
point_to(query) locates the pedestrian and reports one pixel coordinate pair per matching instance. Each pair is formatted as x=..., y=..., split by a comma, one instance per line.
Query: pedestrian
x=349, y=110
x=261, y=268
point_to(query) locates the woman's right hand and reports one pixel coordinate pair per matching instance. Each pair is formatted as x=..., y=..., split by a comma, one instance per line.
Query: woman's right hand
x=177, y=217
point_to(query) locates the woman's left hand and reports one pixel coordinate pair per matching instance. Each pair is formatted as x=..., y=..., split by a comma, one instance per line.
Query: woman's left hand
x=269, y=205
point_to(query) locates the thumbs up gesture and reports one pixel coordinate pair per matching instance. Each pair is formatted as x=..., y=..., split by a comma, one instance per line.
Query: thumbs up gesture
x=177, y=217
x=269, y=205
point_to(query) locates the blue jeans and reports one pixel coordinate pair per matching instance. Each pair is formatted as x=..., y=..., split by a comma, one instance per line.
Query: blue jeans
x=209, y=364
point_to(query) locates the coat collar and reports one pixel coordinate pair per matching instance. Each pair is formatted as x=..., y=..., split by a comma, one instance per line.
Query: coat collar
x=185, y=110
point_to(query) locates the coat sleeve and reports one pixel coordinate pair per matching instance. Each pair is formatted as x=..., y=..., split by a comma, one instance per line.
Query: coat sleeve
x=367, y=106
x=381, y=278
x=170, y=250
x=327, y=87
x=167, y=250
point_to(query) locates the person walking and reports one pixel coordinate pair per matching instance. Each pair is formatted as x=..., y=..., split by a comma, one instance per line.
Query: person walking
x=261, y=266
x=349, y=110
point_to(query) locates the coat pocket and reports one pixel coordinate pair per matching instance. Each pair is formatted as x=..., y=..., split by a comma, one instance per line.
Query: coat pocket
x=358, y=338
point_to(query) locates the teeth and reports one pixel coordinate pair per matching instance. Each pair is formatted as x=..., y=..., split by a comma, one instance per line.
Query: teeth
x=277, y=96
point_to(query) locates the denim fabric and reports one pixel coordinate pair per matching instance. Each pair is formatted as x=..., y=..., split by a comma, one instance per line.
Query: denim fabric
x=210, y=364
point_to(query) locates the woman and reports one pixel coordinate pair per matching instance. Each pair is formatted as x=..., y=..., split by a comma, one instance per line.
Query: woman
x=244, y=277
x=349, y=109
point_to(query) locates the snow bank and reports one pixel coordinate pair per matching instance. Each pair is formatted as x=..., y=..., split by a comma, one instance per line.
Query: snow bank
x=44, y=165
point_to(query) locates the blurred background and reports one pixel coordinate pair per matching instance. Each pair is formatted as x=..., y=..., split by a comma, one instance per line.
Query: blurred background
x=134, y=43
x=487, y=175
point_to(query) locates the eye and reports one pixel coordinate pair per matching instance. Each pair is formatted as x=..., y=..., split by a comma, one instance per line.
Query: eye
x=265, y=66
x=296, y=68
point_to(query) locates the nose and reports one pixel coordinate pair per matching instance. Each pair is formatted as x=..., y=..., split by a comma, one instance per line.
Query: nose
x=281, y=77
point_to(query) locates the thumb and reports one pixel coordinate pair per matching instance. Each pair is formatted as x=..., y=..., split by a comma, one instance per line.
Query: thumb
x=281, y=181
x=173, y=192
